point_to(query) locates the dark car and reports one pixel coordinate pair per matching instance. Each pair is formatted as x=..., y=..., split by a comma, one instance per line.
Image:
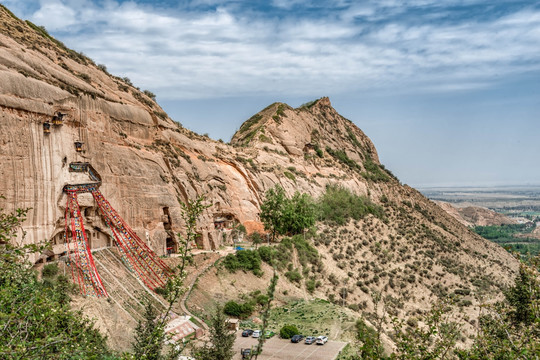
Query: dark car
x=246, y=353
x=247, y=332
x=297, y=338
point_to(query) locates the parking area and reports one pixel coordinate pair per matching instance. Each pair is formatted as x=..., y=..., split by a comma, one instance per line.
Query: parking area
x=281, y=349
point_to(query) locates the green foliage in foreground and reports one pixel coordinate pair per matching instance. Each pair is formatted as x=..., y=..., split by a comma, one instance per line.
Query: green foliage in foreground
x=339, y=204
x=36, y=321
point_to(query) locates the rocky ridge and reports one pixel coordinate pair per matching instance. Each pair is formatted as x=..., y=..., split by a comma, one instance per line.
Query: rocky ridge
x=476, y=215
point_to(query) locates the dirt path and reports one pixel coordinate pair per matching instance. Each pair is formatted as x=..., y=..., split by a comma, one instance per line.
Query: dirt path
x=221, y=253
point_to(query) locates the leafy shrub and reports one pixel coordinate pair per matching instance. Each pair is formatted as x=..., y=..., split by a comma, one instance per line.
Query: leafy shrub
x=342, y=157
x=310, y=286
x=247, y=260
x=266, y=253
x=288, y=331
x=293, y=275
x=242, y=311
x=289, y=175
x=50, y=270
x=374, y=171
x=150, y=94
x=85, y=77
x=339, y=204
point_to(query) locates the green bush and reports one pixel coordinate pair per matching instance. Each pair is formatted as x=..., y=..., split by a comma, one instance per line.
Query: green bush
x=233, y=308
x=342, y=157
x=339, y=204
x=310, y=286
x=374, y=171
x=247, y=260
x=242, y=311
x=282, y=215
x=50, y=270
x=293, y=275
x=288, y=331
x=266, y=253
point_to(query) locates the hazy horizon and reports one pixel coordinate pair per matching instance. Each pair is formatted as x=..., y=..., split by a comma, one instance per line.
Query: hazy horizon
x=447, y=91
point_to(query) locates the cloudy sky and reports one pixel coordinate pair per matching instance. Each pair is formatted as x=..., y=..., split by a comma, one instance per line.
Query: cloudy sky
x=448, y=90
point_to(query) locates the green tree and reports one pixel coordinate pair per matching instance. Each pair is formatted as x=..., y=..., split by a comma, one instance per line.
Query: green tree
x=221, y=341
x=298, y=214
x=521, y=298
x=272, y=210
x=266, y=313
x=510, y=329
x=257, y=239
x=282, y=215
x=370, y=344
x=149, y=335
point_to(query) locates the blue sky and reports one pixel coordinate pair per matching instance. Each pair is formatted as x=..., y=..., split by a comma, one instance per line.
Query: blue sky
x=449, y=91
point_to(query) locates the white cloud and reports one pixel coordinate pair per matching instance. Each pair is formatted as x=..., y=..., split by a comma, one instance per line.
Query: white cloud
x=191, y=54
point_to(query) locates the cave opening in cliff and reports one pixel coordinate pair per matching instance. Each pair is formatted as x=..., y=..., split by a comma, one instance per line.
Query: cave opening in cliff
x=172, y=246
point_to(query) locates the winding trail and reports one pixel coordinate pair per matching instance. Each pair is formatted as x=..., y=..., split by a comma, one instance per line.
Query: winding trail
x=221, y=253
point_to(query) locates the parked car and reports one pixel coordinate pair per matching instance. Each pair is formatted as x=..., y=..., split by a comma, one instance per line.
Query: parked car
x=321, y=340
x=247, y=332
x=256, y=333
x=310, y=340
x=246, y=353
x=268, y=334
x=297, y=338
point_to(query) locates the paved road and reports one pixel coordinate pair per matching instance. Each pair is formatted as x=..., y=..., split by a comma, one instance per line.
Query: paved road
x=280, y=349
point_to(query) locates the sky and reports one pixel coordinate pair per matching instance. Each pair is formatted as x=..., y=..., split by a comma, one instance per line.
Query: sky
x=448, y=90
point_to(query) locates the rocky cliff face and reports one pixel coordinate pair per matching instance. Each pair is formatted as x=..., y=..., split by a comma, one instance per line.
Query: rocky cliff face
x=148, y=163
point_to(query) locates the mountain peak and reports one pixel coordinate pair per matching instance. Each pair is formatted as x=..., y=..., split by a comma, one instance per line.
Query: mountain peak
x=314, y=126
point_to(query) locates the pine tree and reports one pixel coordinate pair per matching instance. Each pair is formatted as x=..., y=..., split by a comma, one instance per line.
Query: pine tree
x=149, y=335
x=222, y=339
